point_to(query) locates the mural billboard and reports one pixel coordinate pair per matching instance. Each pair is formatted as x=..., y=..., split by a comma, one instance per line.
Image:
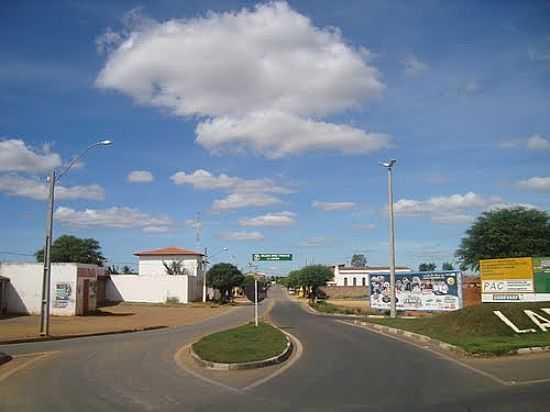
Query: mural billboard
x=422, y=291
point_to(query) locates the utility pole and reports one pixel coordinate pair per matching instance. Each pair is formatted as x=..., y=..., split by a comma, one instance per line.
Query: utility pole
x=389, y=166
x=204, y=270
x=255, y=301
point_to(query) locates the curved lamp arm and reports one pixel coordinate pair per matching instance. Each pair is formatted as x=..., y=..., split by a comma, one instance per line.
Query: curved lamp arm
x=75, y=159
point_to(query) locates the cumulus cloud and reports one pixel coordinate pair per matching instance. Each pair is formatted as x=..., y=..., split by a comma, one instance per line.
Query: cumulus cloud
x=242, y=192
x=15, y=185
x=276, y=65
x=446, y=209
x=140, y=176
x=537, y=183
x=270, y=219
x=332, y=206
x=114, y=217
x=537, y=142
x=413, y=66
x=241, y=236
x=16, y=156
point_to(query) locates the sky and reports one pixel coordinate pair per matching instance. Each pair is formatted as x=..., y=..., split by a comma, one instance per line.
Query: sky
x=261, y=126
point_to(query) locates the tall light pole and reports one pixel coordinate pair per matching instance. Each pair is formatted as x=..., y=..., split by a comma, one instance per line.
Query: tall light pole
x=389, y=166
x=46, y=280
x=204, y=288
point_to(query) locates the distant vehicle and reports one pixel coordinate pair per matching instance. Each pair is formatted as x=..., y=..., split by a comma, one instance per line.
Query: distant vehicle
x=291, y=291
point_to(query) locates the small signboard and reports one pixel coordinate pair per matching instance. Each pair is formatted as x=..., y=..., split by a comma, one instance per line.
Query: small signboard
x=271, y=257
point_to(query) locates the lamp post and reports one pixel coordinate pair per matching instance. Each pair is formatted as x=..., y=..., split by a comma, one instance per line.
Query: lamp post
x=46, y=280
x=205, y=267
x=389, y=166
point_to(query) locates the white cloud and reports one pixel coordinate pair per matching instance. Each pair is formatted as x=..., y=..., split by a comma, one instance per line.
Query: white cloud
x=276, y=65
x=333, y=206
x=242, y=192
x=156, y=229
x=537, y=142
x=241, y=236
x=115, y=217
x=270, y=219
x=413, y=66
x=140, y=176
x=537, y=183
x=15, y=185
x=446, y=209
x=315, y=241
x=16, y=156
x=239, y=200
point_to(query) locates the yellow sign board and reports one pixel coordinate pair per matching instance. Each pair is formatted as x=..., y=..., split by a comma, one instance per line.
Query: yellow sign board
x=509, y=268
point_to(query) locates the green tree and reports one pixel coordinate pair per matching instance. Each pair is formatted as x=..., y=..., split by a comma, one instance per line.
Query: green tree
x=502, y=233
x=69, y=248
x=126, y=269
x=427, y=267
x=447, y=266
x=315, y=276
x=224, y=277
x=358, y=261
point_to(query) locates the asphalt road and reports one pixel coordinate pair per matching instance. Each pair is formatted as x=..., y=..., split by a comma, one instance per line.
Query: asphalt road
x=343, y=368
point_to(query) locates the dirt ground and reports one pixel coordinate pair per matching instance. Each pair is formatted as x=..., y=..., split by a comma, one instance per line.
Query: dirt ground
x=122, y=316
x=348, y=303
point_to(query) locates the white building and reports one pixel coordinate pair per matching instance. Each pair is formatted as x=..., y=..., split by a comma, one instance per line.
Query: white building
x=153, y=284
x=359, y=276
x=72, y=289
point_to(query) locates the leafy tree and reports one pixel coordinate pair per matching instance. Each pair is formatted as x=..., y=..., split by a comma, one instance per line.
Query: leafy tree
x=310, y=279
x=507, y=232
x=447, y=266
x=358, y=261
x=69, y=248
x=113, y=270
x=126, y=269
x=174, y=268
x=224, y=277
x=427, y=267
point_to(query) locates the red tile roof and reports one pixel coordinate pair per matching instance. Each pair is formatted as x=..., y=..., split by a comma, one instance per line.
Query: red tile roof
x=169, y=251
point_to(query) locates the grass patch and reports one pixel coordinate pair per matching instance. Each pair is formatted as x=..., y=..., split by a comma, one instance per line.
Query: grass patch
x=477, y=330
x=325, y=307
x=243, y=344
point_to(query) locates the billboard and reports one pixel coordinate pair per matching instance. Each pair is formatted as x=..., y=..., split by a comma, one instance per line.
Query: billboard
x=509, y=275
x=541, y=268
x=422, y=291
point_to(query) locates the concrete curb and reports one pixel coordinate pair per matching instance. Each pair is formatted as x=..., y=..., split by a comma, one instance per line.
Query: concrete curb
x=527, y=351
x=284, y=355
x=4, y=358
x=80, y=335
x=309, y=309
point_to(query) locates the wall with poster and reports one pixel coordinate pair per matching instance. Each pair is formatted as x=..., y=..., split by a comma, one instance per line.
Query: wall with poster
x=524, y=279
x=422, y=291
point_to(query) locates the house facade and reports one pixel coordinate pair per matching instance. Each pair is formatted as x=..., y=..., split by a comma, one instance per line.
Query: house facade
x=151, y=262
x=359, y=276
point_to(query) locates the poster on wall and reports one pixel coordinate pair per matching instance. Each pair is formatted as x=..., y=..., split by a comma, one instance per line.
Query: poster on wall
x=422, y=291
x=63, y=291
x=541, y=267
x=509, y=275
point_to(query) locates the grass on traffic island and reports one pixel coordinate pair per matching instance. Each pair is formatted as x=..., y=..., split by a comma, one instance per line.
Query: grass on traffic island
x=246, y=343
x=326, y=307
x=477, y=329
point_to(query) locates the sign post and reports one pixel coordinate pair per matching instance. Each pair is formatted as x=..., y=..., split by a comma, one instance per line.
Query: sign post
x=271, y=257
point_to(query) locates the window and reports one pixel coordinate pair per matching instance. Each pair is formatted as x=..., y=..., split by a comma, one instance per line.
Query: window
x=354, y=282
x=345, y=281
x=364, y=282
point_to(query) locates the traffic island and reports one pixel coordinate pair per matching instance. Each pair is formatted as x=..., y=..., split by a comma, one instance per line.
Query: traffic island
x=244, y=347
x=476, y=330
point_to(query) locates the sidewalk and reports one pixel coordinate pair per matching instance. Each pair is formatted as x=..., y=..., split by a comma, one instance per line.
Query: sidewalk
x=119, y=317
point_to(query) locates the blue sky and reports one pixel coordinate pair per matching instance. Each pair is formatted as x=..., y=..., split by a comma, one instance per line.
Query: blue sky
x=269, y=120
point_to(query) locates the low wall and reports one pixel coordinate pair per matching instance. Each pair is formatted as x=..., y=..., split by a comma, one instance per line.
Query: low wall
x=346, y=292
x=471, y=292
x=150, y=289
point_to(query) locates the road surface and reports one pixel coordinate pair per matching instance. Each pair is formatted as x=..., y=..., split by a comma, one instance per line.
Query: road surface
x=342, y=368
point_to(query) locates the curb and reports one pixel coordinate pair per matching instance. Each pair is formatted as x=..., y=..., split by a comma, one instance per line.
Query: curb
x=4, y=358
x=80, y=335
x=416, y=336
x=528, y=351
x=284, y=355
x=309, y=309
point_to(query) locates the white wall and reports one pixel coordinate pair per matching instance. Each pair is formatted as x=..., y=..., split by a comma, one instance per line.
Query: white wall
x=25, y=290
x=152, y=289
x=340, y=275
x=152, y=265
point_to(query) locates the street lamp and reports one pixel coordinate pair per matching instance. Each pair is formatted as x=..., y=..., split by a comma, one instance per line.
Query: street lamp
x=389, y=166
x=52, y=179
x=205, y=267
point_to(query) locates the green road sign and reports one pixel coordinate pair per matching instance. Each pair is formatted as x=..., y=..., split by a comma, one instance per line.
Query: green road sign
x=259, y=257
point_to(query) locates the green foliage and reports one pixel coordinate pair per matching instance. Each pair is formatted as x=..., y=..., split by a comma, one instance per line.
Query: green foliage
x=310, y=279
x=69, y=248
x=502, y=233
x=224, y=277
x=126, y=269
x=113, y=270
x=174, y=268
x=427, y=267
x=358, y=261
x=447, y=266
x=243, y=344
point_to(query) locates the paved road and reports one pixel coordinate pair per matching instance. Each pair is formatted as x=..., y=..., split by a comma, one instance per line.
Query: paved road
x=343, y=368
